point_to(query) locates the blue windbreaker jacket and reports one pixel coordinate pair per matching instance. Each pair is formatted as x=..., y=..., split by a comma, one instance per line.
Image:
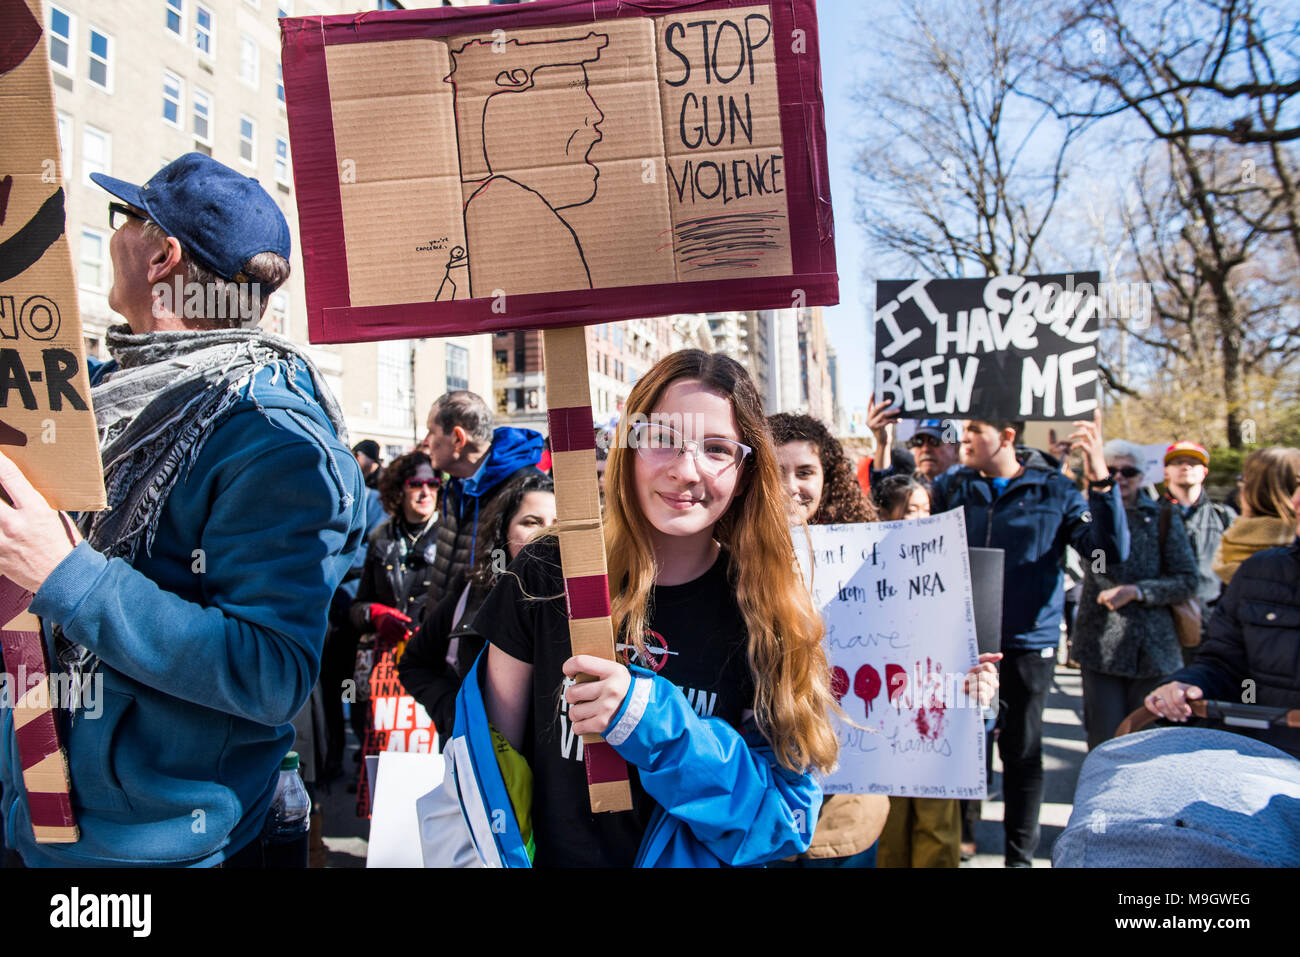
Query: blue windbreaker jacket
x=723, y=798
x=1032, y=521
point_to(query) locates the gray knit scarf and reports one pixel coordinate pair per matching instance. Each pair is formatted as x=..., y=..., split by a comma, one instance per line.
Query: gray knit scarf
x=156, y=412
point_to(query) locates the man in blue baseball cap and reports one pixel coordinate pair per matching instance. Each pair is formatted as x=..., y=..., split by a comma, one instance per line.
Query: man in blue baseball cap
x=197, y=602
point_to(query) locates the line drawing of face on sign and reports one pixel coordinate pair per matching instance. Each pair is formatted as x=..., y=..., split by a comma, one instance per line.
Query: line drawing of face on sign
x=527, y=123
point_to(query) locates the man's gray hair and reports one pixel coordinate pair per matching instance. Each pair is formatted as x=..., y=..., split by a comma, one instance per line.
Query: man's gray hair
x=469, y=411
x=236, y=304
x=1123, y=448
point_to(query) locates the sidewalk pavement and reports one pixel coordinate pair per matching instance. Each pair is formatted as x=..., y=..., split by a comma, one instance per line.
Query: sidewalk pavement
x=1064, y=748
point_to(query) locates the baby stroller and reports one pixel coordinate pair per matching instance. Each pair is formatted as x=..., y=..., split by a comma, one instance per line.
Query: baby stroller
x=1189, y=796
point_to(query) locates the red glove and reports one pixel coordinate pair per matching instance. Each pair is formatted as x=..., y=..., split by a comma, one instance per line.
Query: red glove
x=389, y=622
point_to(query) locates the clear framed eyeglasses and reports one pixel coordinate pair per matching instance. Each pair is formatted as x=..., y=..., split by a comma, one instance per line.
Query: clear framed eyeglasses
x=660, y=444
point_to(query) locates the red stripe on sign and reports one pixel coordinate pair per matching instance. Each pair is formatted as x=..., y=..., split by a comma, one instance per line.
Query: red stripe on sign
x=24, y=655
x=588, y=596
x=317, y=170
x=37, y=739
x=50, y=809
x=604, y=766
x=571, y=428
x=13, y=599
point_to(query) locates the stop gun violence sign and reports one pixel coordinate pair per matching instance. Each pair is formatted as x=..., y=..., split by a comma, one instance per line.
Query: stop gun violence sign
x=472, y=169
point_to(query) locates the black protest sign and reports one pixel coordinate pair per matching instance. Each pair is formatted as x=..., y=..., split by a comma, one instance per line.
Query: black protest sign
x=1002, y=347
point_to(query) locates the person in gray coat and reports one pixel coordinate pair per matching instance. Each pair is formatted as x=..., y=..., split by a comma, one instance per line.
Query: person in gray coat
x=1124, y=635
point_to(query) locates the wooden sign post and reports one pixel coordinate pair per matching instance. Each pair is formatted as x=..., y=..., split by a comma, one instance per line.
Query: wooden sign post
x=582, y=539
x=44, y=762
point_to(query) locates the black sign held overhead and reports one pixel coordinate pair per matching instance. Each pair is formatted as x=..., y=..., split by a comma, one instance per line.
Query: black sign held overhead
x=1004, y=347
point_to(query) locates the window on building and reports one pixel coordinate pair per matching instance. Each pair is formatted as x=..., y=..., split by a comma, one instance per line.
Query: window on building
x=100, y=65
x=618, y=336
x=65, y=142
x=279, y=82
x=205, y=38
x=202, y=117
x=173, y=94
x=248, y=140
x=457, y=367
x=61, y=46
x=248, y=59
x=394, y=384
x=94, y=270
x=96, y=152
x=284, y=9
x=176, y=17
x=282, y=161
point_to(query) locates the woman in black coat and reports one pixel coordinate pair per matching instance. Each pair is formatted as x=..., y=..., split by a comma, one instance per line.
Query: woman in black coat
x=444, y=648
x=1251, y=652
x=394, y=580
x=396, y=574
x=1124, y=636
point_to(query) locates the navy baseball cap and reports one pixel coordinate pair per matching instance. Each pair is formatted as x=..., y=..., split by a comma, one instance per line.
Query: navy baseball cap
x=945, y=430
x=222, y=218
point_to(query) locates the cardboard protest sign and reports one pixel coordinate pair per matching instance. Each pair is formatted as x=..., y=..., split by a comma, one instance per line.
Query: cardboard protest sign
x=1005, y=347
x=468, y=169
x=900, y=635
x=46, y=423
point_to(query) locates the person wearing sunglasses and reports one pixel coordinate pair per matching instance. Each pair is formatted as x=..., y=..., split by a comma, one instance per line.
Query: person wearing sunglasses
x=1124, y=638
x=394, y=581
x=935, y=445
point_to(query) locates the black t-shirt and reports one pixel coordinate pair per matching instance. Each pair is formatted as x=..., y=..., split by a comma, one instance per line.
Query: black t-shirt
x=696, y=638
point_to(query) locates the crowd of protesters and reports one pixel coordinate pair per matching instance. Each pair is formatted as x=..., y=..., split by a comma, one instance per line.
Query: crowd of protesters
x=247, y=557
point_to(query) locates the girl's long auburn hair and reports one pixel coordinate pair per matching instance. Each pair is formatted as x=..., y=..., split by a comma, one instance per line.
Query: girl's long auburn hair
x=792, y=700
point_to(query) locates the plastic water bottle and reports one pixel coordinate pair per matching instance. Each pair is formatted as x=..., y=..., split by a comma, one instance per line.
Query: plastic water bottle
x=288, y=822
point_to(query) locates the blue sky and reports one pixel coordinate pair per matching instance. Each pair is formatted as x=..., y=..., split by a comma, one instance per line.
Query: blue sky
x=845, y=27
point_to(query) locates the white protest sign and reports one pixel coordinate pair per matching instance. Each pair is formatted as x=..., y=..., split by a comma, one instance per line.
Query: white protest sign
x=1153, y=463
x=401, y=779
x=900, y=636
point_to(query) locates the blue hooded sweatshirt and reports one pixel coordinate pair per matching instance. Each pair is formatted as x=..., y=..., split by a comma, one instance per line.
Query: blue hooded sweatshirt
x=208, y=645
x=512, y=449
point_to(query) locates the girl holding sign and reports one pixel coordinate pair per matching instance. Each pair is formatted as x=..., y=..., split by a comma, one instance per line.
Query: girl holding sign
x=722, y=699
x=918, y=832
x=823, y=491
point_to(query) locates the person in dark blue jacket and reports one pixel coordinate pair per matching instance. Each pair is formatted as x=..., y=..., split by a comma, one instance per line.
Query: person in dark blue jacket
x=1032, y=514
x=480, y=461
x=196, y=605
